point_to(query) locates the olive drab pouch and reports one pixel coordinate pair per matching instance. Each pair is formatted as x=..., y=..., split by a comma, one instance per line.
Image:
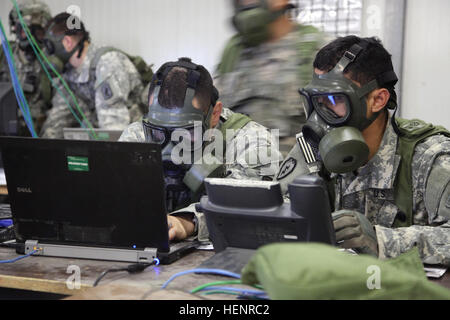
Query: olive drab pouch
x=304, y=271
x=411, y=133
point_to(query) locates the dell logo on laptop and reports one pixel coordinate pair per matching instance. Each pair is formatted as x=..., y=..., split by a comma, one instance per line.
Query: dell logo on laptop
x=24, y=190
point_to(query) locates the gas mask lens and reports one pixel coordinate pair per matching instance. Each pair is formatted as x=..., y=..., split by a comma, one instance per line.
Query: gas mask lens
x=163, y=136
x=333, y=108
x=305, y=103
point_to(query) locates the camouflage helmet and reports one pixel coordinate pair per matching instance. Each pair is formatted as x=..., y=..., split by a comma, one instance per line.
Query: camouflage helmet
x=34, y=12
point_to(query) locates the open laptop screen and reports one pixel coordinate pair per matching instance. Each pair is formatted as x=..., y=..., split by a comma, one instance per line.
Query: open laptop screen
x=86, y=192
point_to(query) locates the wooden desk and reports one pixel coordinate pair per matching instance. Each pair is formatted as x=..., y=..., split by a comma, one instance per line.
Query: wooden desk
x=46, y=274
x=444, y=281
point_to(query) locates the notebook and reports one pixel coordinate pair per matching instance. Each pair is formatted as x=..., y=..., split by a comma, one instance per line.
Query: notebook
x=89, y=199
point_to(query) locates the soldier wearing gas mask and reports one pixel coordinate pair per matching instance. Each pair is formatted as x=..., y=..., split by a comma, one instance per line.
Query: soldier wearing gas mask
x=183, y=100
x=264, y=63
x=36, y=86
x=106, y=83
x=390, y=177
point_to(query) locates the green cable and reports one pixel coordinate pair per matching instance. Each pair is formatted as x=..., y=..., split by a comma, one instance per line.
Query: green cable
x=203, y=286
x=26, y=113
x=35, y=46
x=229, y=292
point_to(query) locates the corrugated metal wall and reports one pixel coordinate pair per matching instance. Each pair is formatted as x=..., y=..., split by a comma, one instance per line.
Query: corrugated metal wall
x=159, y=30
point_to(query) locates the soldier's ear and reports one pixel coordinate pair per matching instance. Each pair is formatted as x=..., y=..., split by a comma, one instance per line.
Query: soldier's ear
x=378, y=99
x=217, y=111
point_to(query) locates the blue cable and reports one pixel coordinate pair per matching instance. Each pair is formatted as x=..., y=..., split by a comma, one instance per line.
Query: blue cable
x=19, y=97
x=19, y=258
x=25, y=28
x=16, y=84
x=20, y=100
x=213, y=271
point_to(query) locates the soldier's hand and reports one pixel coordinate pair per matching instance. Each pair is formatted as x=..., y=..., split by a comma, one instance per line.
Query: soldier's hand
x=180, y=227
x=354, y=230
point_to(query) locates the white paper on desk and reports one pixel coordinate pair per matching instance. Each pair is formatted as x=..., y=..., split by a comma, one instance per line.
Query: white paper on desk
x=2, y=177
x=435, y=273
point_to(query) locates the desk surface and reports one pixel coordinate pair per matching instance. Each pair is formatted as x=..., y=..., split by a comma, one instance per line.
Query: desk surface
x=47, y=274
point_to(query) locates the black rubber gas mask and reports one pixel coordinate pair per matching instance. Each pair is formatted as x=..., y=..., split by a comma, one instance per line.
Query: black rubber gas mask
x=22, y=40
x=337, y=114
x=180, y=131
x=54, y=45
x=252, y=19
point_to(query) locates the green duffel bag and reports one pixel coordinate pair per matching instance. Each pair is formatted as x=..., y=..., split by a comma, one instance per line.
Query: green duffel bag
x=304, y=271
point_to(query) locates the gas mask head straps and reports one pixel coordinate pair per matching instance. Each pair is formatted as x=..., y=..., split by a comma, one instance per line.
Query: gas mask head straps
x=187, y=114
x=388, y=79
x=338, y=113
x=54, y=45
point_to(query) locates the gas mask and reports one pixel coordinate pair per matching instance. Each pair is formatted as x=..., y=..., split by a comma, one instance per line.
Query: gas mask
x=337, y=114
x=36, y=16
x=184, y=175
x=54, y=45
x=24, y=44
x=252, y=20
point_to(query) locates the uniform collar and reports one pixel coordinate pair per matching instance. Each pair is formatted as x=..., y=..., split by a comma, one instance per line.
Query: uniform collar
x=381, y=170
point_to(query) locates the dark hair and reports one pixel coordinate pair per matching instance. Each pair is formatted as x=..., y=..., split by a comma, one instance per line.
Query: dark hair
x=174, y=85
x=59, y=26
x=371, y=62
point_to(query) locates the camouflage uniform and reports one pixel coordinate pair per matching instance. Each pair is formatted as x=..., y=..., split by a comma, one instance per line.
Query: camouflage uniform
x=37, y=89
x=265, y=80
x=110, y=99
x=371, y=192
x=256, y=138
x=29, y=74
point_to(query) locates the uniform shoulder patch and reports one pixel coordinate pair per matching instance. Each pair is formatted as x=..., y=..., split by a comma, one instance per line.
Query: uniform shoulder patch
x=286, y=168
x=106, y=91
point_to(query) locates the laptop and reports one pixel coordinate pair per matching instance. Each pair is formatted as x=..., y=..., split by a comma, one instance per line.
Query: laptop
x=83, y=134
x=244, y=215
x=89, y=199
